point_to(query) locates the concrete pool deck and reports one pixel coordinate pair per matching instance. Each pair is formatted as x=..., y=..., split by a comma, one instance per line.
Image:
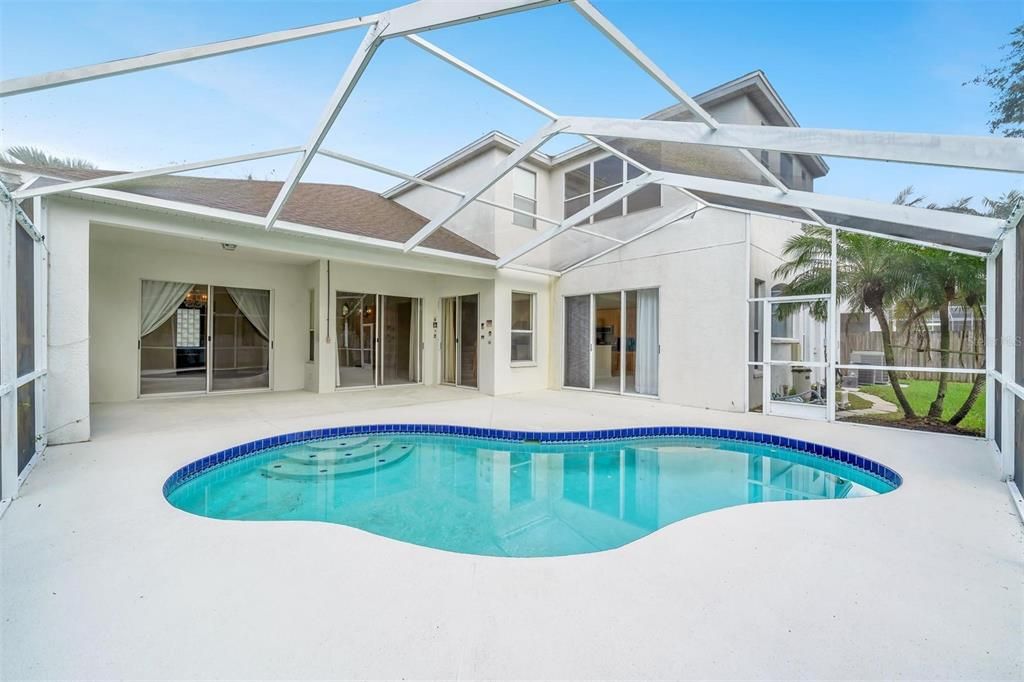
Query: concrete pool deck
x=102, y=578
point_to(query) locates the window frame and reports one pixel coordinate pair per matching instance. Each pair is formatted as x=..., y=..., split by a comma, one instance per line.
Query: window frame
x=519, y=219
x=594, y=193
x=532, y=331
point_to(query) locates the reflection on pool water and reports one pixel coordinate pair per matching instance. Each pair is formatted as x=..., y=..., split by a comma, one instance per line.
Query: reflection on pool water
x=511, y=498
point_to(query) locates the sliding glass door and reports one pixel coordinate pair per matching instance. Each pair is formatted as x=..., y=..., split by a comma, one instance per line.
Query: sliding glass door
x=195, y=338
x=399, y=340
x=378, y=340
x=612, y=342
x=241, y=339
x=173, y=337
x=357, y=334
x=578, y=332
x=459, y=340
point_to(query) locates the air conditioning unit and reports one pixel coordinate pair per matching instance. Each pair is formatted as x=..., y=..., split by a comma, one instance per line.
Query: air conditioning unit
x=869, y=357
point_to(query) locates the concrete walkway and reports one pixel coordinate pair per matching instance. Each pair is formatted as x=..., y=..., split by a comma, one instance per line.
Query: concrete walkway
x=101, y=578
x=878, y=405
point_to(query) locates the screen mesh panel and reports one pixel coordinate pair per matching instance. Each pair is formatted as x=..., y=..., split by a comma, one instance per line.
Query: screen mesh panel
x=577, y=341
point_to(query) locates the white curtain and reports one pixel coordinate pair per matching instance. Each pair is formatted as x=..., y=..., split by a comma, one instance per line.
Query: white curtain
x=159, y=301
x=255, y=305
x=647, y=341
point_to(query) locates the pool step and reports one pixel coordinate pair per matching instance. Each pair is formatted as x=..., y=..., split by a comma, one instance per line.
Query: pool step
x=347, y=453
x=335, y=443
x=367, y=457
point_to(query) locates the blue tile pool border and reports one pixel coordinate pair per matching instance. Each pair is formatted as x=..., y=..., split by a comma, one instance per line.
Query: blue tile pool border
x=868, y=466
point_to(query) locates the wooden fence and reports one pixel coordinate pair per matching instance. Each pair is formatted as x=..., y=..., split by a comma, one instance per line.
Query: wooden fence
x=917, y=354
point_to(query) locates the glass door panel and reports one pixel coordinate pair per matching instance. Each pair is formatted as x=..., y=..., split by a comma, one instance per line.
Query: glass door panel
x=173, y=342
x=241, y=339
x=577, y=342
x=399, y=340
x=449, y=340
x=607, y=342
x=642, y=342
x=468, y=324
x=356, y=337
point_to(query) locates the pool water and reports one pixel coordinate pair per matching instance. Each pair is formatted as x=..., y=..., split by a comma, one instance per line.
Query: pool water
x=511, y=498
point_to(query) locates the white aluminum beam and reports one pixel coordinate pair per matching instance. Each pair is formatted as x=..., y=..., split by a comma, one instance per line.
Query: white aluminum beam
x=610, y=31
x=16, y=86
x=337, y=156
x=664, y=221
x=524, y=100
x=975, y=226
x=360, y=60
x=154, y=172
x=8, y=349
x=480, y=76
x=958, y=151
x=427, y=15
x=19, y=215
x=511, y=161
x=578, y=217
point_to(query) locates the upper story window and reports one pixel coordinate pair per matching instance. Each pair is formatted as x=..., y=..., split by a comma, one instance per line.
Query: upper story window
x=786, y=169
x=524, y=196
x=592, y=182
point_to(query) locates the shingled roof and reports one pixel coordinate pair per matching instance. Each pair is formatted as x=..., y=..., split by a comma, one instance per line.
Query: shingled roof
x=342, y=208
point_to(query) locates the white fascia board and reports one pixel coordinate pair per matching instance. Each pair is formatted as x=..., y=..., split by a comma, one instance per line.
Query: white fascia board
x=427, y=15
x=975, y=226
x=360, y=60
x=578, y=217
x=52, y=79
x=511, y=161
x=25, y=193
x=958, y=151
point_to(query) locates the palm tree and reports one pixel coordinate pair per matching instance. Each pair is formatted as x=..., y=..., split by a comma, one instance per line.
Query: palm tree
x=34, y=156
x=871, y=273
x=942, y=279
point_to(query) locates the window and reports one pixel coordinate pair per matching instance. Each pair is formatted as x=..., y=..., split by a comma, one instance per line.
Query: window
x=756, y=323
x=781, y=328
x=524, y=197
x=803, y=179
x=590, y=183
x=187, y=334
x=786, y=169
x=522, y=327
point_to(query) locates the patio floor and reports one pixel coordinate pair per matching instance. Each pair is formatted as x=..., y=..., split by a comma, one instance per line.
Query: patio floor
x=101, y=578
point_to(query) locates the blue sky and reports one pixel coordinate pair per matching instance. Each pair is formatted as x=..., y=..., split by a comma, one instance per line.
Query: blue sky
x=862, y=65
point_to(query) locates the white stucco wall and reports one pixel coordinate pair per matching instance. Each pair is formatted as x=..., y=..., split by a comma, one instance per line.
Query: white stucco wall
x=67, y=403
x=116, y=274
x=699, y=269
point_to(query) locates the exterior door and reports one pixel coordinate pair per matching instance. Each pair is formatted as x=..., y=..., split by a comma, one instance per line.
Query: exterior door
x=459, y=340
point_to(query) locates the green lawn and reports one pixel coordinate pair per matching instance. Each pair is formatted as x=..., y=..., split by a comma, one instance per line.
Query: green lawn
x=921, y=394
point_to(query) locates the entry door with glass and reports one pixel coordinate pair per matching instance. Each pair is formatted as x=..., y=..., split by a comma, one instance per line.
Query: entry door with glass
x=459, y=347
x=378, y=340
x=196, y=338
x=612, y=342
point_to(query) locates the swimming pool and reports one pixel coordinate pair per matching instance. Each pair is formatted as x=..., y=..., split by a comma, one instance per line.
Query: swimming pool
x=514, y=493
